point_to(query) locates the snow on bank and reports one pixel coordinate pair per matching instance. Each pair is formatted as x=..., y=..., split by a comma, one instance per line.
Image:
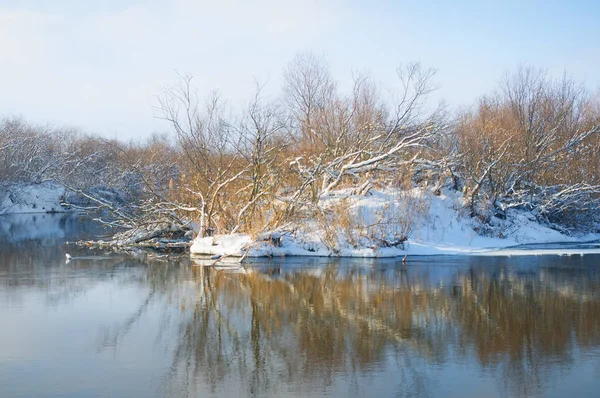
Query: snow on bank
x=441, y=228
x=35, y=198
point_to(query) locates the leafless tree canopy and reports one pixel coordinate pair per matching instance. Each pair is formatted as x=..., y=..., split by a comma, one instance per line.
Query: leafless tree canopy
x=534, y=143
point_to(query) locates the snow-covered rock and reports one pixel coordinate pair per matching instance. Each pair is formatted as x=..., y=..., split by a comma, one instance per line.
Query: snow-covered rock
x=229, y=245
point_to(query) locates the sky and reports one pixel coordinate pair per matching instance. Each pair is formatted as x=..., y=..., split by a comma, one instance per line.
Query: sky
x=99, y=65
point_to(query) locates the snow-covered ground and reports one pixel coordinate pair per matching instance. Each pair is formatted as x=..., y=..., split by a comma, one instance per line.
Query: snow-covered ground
x=440, y=227
x=31, y=198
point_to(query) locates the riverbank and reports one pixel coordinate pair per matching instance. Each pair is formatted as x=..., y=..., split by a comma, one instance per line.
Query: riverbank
x=383, y=223
x=439, y=225
x=46, y=197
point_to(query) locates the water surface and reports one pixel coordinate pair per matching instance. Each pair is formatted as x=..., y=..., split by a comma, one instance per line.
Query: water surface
x=122, y=326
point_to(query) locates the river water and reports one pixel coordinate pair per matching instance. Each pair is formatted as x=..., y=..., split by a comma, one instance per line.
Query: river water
x=127, y=326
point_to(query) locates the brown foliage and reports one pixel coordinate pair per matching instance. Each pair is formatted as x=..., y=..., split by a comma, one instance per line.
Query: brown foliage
x=527, y=134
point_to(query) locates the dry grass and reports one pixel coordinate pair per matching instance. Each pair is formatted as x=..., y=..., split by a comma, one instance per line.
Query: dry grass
x=340, y=224
x=344, y=223
x=398, y=218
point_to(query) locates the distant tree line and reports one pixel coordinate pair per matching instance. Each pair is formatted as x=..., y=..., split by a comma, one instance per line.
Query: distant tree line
x=532, y=144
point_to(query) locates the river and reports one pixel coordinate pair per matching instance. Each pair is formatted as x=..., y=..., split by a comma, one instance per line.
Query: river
x=107, y=324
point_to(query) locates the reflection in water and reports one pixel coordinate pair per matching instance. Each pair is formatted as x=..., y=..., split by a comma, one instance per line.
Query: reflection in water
x=122, y=326
x=46, y=229
x=32, y=253
x=304, y=328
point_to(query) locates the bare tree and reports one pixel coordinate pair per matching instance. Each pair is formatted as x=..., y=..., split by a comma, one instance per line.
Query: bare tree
x=209, y=146
x=308, y=91
x=524, y=146
x=261, y=129
x=358, y=133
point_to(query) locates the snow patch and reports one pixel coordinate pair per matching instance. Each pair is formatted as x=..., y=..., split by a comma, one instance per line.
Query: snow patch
x=228, y=245
x=37, y=198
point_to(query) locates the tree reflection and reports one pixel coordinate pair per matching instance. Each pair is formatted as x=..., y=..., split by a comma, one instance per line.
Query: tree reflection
x=300, y=330
x=287, y=329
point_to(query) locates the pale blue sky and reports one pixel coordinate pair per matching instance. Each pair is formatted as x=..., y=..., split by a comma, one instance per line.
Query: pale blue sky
x=99, y=64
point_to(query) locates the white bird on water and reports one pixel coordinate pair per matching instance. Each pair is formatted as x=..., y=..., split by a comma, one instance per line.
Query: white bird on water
x=68, y=257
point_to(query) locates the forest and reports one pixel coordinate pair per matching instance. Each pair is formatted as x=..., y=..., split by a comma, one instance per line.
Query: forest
x=302, y=157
